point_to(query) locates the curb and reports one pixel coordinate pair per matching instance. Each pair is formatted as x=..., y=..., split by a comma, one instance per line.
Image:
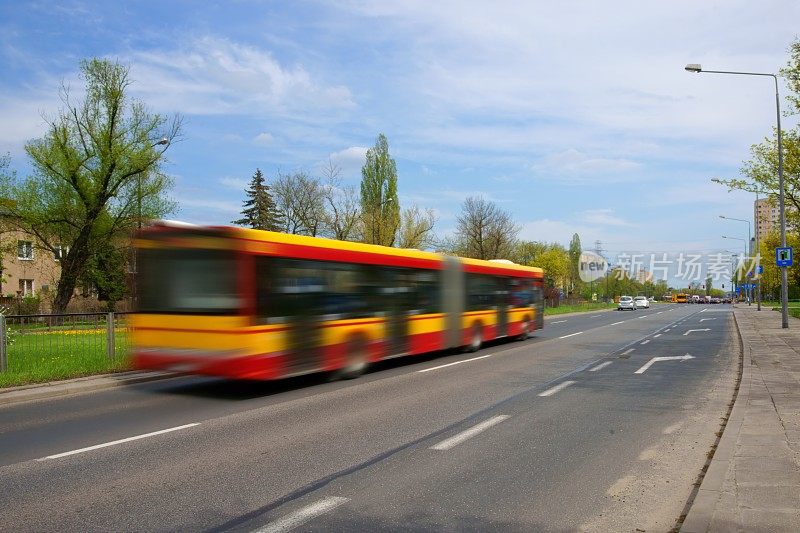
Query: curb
x=54, y=389
x=702, y=509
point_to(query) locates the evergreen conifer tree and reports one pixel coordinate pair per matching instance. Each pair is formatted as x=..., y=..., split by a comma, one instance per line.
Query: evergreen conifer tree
x=259, y=210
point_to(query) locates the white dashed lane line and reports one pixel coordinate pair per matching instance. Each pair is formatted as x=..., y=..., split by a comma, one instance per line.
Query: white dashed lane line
x=600, y=366
x=456, y=363
x=570, y=335
x=557, y=388
x=301, y=516
x=469, y=433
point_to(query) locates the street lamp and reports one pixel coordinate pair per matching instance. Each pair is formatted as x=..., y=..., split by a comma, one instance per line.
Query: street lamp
x=696, y=68
x=748, y=244
x=745, y=253
x=161, y=142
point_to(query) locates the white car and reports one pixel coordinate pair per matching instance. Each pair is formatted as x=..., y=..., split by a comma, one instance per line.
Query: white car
x=626, y=302
x=641, y=301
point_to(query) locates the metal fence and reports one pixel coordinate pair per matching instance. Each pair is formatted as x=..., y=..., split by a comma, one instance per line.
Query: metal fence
x=70, y=340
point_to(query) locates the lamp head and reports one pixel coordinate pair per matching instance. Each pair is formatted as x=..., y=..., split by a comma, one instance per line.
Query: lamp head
x=693, y=67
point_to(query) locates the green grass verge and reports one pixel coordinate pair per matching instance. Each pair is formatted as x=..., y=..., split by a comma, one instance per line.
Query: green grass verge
x=50, y=356
x=578, y=308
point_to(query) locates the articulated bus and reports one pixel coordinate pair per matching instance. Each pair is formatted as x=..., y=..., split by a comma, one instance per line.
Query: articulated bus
x=251, y=304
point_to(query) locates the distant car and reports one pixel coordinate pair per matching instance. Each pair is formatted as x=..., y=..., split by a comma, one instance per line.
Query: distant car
x=641, y=301
x=715, y=300
x=626, y=302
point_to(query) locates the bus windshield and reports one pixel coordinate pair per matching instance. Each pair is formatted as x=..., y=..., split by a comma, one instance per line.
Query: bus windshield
x=187, y=281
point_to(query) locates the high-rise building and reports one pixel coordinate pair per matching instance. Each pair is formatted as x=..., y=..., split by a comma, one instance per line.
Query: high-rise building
x=767, y=217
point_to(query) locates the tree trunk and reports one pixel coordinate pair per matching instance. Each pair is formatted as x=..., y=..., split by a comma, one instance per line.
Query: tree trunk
x=71, y=267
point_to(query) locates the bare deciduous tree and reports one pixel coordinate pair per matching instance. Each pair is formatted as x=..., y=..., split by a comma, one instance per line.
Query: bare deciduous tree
x=416, y=228
x=484, y=231
x=300, y=199
x=342, y=212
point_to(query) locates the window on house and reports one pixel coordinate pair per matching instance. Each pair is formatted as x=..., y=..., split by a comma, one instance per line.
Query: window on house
x=26, y=287
x=24, y=250
x=60, y=252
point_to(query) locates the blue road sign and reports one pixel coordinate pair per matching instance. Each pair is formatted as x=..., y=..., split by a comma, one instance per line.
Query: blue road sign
x=783, y=256
x=760, y=269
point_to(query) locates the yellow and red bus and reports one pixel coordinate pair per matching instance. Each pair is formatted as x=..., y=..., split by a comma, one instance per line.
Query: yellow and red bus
x=251, y=304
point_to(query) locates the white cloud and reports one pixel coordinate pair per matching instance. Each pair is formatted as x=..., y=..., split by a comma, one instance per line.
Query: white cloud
x=212, y=76
x=221, y=206
x=350, y=161
x=604, y=217
x=573, y=163
x=264, y=138
x=238, y=184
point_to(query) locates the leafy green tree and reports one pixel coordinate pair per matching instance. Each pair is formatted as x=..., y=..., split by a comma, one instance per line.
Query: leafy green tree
x=259, y=210
x=96, y=173
x=380, y=206
x=761, y=171
x=106, y=271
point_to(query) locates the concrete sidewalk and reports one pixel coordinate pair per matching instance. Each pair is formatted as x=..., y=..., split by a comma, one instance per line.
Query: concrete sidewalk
x=753, y=481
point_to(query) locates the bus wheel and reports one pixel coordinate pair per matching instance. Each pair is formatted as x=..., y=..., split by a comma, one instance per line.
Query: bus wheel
x=475, y=340
x=526, y=330
x=357, y=360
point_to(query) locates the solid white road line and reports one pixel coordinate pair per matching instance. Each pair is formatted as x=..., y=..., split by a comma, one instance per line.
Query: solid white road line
x=645, y=342
x=301, y=516
x=615, y=323
x=656, y=335
x=600, y=366
x=570, y=335
x=120, y=441
x=629, y=350
x=471, y=432
x=559, y=387
x=558, y=322
x=456, y=363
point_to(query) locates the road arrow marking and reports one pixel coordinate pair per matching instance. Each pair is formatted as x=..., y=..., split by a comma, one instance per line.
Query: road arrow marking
x=704, y=319
x=656, y=359
x=691, y=330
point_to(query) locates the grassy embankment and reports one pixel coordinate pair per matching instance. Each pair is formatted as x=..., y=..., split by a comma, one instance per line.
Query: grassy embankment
x=578, y=308
x=41, y=356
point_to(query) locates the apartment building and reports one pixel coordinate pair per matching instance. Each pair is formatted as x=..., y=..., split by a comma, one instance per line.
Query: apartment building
x=767, y=217
x=27, y=268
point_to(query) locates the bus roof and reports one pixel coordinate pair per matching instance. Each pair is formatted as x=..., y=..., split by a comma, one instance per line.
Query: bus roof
x=320, y=248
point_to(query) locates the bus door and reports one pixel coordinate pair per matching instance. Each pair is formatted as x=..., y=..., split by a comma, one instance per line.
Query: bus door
x=398, y=296
x=291, y=292
x=502, y=302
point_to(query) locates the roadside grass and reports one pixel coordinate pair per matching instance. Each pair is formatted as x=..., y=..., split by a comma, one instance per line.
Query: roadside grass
x=37, y=357
x=578, y=308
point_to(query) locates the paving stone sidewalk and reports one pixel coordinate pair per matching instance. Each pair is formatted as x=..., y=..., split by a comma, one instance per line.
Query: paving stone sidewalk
x=753, y=481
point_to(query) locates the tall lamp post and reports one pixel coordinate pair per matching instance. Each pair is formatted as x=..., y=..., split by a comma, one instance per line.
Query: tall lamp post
x=161, y=142
x=749, y=233
x=694, y=67
x=745, y=254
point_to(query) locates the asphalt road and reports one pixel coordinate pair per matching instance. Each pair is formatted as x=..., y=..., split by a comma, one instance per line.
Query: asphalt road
x=544, y=434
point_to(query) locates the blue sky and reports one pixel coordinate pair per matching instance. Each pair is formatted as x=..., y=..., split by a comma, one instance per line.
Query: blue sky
x=575, y=116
